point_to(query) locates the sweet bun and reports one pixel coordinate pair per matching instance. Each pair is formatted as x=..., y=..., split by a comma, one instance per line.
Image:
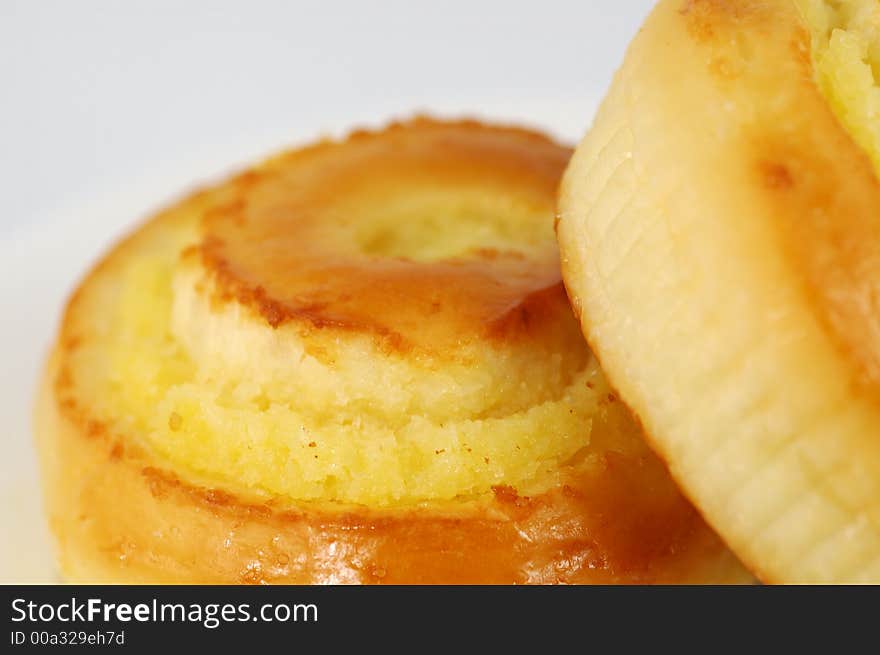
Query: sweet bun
x=354, y=363
x=720, y=239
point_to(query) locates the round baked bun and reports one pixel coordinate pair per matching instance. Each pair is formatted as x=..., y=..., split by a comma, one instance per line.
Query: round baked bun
x=354, y=363
x=720, y=240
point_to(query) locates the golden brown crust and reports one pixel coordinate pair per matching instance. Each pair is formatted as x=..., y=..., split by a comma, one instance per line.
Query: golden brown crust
x=266, y=248
x=118, y=516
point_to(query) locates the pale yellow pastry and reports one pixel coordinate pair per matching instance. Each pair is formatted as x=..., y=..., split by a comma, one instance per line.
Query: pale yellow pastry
x=354, y=363
x=720, y=238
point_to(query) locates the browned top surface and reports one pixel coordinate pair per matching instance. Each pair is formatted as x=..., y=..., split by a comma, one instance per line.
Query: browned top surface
x=277, y=245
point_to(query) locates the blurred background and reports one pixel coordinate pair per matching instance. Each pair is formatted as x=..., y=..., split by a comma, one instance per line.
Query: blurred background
x=110, y=109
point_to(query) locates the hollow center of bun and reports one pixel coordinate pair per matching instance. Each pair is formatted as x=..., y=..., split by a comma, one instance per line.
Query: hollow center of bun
x=378, y=321
x=421, y=238
x=415, y=224
x=846, y=58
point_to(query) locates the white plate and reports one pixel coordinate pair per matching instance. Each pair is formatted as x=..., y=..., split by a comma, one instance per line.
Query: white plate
x=85, y=163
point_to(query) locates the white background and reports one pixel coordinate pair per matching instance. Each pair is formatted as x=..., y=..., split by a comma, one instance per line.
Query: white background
x=110, y=109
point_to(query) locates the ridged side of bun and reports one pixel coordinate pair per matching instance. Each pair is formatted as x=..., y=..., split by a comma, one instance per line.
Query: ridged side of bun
x=720, y=239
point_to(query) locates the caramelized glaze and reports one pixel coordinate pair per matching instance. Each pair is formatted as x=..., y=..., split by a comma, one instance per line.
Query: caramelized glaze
x=285, y=248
